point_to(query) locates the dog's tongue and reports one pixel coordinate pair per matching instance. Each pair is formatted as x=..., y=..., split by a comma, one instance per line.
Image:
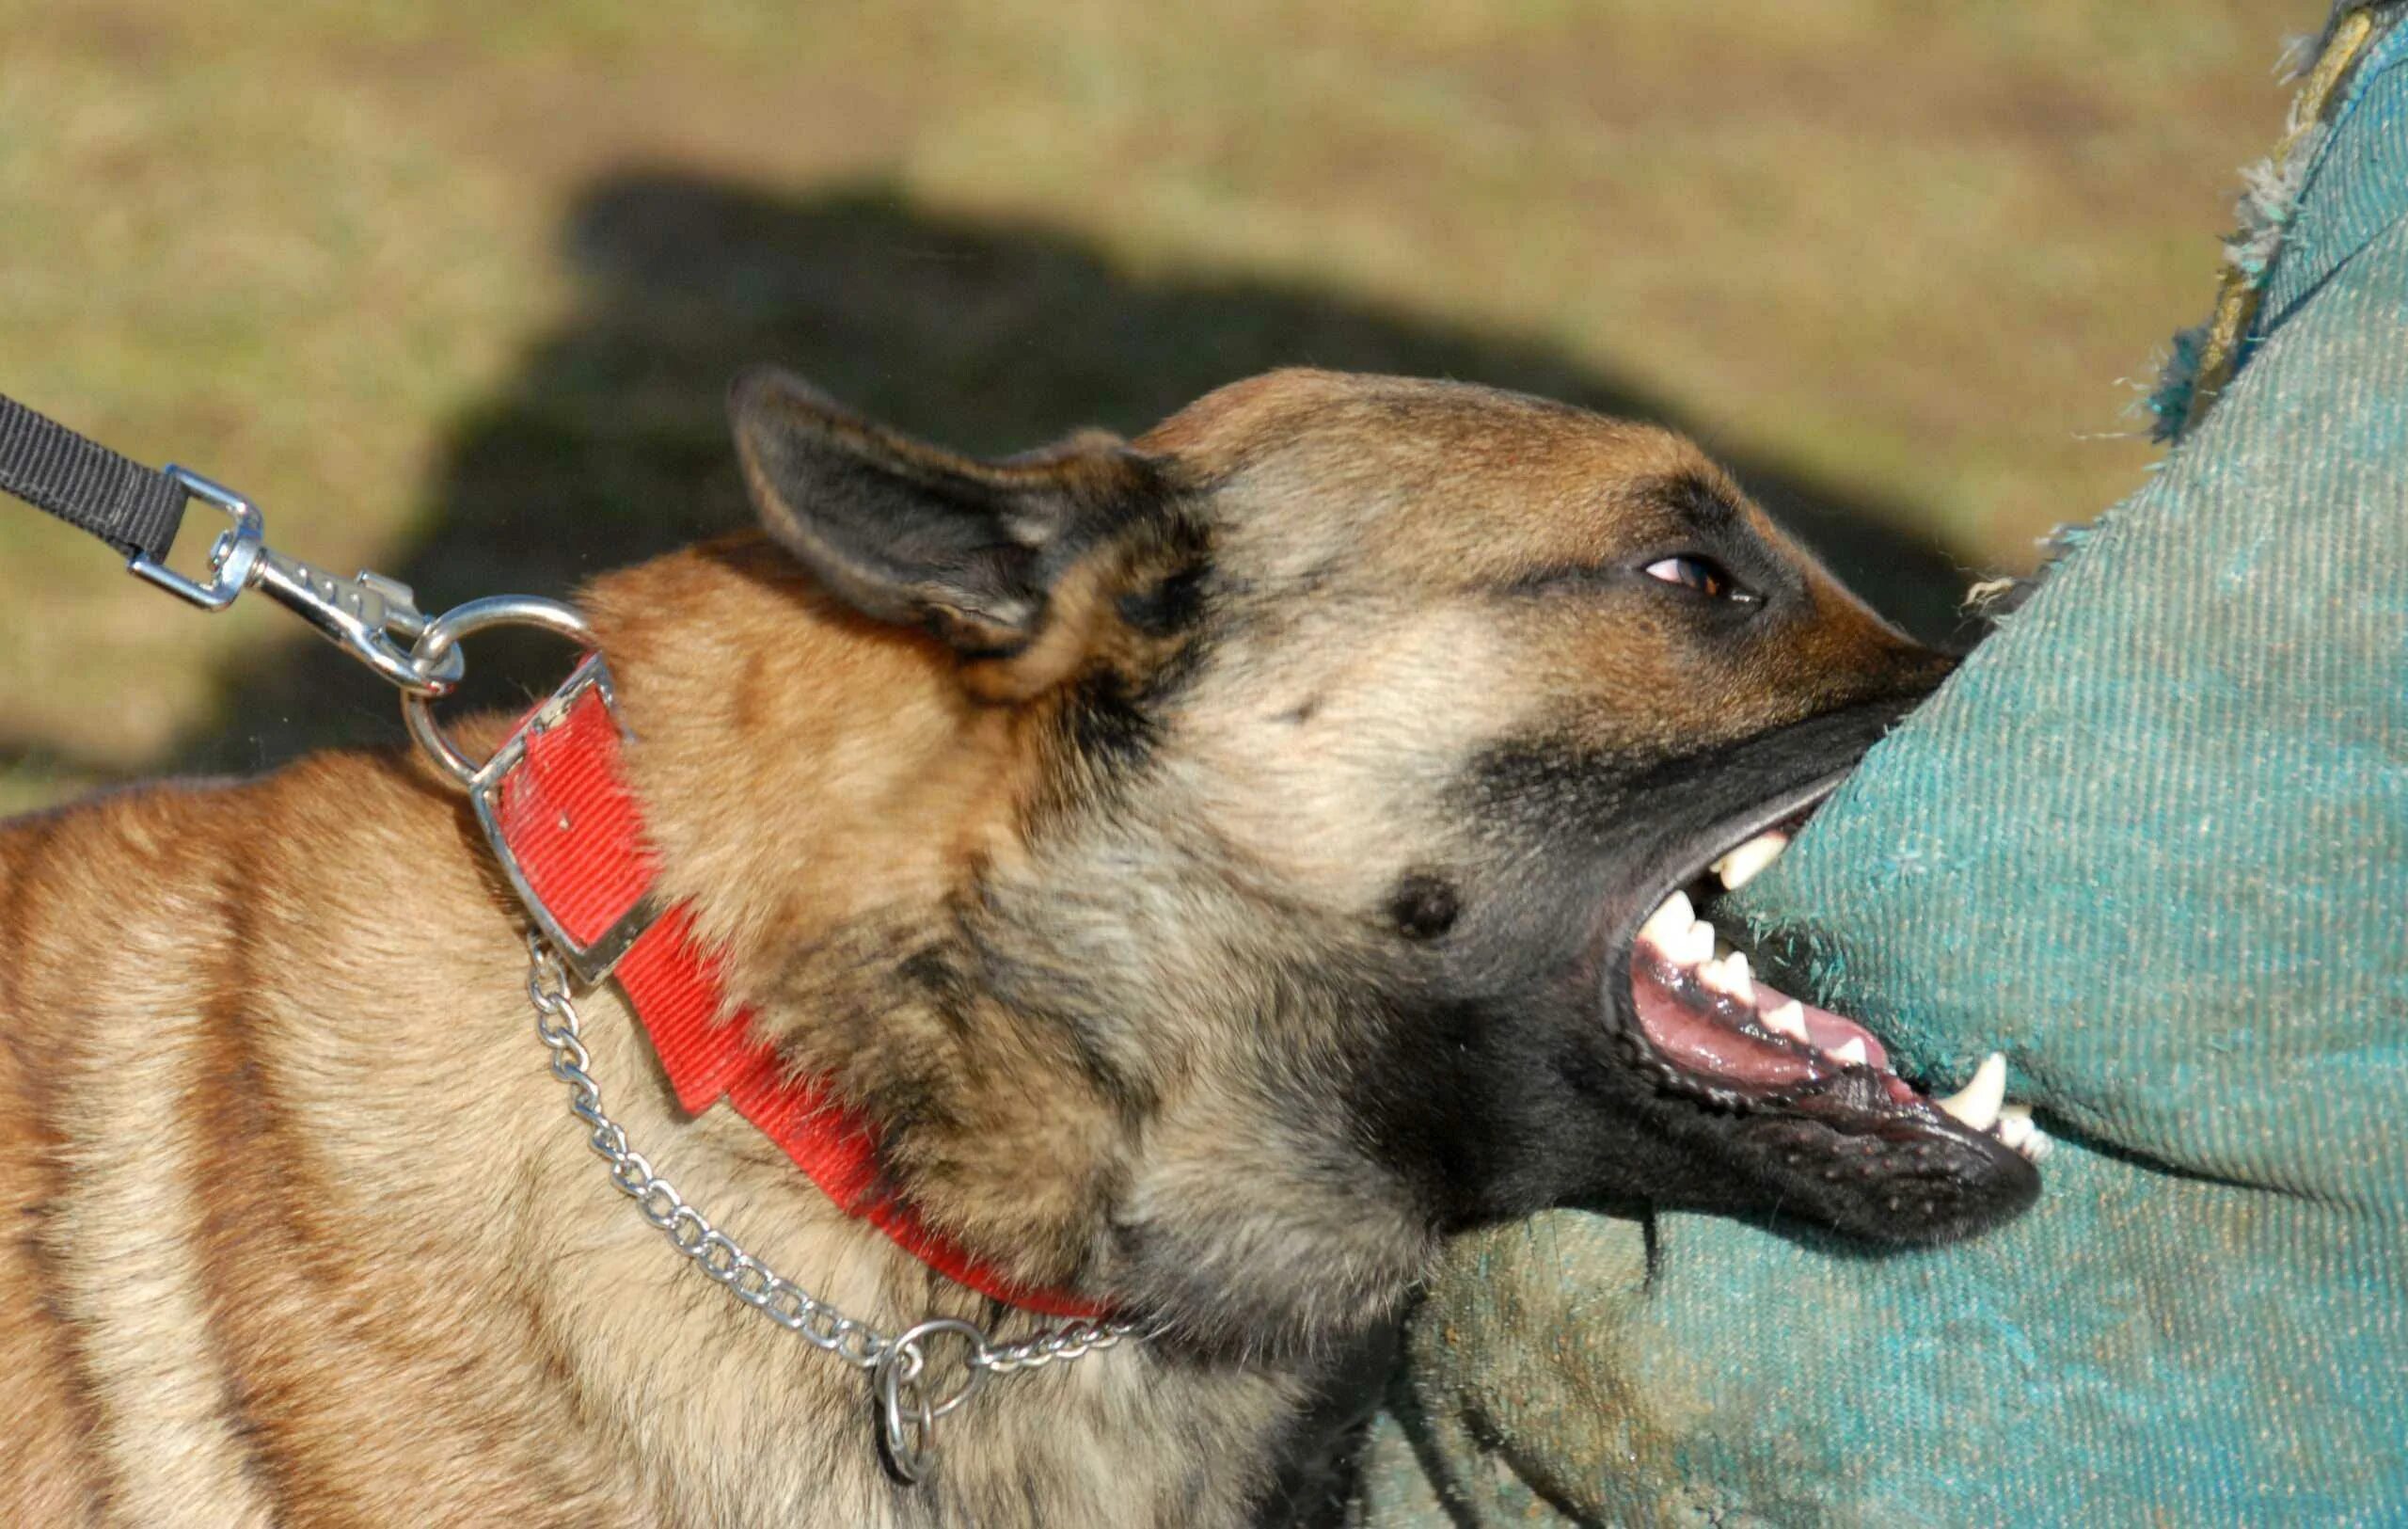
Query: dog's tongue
x=1706, y=1015
x=1756, y=1040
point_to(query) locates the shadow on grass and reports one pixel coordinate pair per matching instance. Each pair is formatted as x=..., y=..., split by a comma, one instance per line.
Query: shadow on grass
x=610, y=444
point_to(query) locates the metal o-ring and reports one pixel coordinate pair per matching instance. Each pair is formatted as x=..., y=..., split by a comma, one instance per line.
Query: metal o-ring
x=909, y=1422
x=462, y=621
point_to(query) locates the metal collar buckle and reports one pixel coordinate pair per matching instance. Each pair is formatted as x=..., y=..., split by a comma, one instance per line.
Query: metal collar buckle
x=588, y=961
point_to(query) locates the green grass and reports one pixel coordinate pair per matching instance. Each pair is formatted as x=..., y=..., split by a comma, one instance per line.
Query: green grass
x=454, y=290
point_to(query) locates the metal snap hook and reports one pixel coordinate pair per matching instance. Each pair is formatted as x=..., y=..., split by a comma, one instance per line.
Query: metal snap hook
x=367, y=615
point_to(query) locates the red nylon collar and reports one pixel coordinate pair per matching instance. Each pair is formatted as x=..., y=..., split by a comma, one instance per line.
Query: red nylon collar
x=563, y=812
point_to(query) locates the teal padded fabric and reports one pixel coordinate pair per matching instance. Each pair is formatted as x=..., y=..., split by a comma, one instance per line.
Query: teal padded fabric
x=2152, y=843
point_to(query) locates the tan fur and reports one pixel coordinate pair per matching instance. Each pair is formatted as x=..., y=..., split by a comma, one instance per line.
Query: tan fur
x=306, y=1234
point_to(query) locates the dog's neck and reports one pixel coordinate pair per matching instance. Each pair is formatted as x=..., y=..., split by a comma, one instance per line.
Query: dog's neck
x=828, y=806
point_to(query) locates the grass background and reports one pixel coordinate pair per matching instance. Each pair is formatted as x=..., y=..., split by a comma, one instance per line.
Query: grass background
x=453, y=291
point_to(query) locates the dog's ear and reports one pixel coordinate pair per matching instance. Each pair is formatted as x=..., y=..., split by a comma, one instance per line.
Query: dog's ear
x=909, y=532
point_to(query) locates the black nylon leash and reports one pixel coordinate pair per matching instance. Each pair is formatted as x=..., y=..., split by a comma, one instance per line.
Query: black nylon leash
x=138, y=510
x=133, y=508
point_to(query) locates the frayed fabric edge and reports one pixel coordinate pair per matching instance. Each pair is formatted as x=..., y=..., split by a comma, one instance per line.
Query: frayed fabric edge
x=2203, y=358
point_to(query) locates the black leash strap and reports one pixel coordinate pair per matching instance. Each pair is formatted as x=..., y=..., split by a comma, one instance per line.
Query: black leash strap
x=137, y=510
x=133, y=508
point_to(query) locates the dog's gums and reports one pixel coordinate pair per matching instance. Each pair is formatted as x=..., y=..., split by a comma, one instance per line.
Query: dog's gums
x=1708, y=1026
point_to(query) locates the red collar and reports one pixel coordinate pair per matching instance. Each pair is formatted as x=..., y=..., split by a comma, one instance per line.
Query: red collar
x=569, y=831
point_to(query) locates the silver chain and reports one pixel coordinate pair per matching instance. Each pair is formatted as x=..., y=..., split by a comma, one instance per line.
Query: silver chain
x=898, y=1363
x=370, y=616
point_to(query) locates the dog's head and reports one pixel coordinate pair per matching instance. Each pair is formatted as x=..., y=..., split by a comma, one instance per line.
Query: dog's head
x=1354, y=729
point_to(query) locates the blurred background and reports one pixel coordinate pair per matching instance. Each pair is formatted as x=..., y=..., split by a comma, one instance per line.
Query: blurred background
x=452, y=290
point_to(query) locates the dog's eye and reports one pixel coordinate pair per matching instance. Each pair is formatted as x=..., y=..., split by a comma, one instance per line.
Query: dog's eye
x=1703, y=574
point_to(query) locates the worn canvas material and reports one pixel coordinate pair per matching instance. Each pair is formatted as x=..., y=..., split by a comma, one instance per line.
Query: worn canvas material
x=2152, y=843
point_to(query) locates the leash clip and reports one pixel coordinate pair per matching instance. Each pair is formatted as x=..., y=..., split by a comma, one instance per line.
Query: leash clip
x=231, y=561
x=369, y=615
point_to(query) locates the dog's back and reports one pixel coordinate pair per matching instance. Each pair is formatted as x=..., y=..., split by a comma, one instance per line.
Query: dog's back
x=115, y=936
x=196, y=1323
x=48, y=1416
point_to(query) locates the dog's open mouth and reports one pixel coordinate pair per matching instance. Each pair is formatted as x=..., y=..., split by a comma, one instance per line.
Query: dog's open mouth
x=1719, y=1033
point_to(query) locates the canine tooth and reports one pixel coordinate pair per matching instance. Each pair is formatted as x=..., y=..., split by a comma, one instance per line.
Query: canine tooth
x=1853, y=1052
x=1693, y=945
x=1668, y=922
x=1740, y=866
x=1789, y=1020
x=2014, y=1130
x=2038, y=1148
x=1976, y=1105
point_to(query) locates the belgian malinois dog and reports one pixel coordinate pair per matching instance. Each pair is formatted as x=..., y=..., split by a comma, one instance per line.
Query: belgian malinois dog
x=1220, y=864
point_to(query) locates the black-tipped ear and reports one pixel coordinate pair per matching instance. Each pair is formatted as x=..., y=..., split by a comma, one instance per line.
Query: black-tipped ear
x=909, y=532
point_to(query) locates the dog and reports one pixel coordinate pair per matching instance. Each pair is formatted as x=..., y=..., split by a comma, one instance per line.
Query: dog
x=1217, y=866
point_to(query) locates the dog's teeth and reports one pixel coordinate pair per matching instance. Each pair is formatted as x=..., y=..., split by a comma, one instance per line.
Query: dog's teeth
x=1789, y=1020
x=1693, y=945
x=1736, y=980
x=1728, y=974
x=1667, y=924
x=1976, y=1105
x=2015, y=1129
x=1852, y=1053
x=1737, y=869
